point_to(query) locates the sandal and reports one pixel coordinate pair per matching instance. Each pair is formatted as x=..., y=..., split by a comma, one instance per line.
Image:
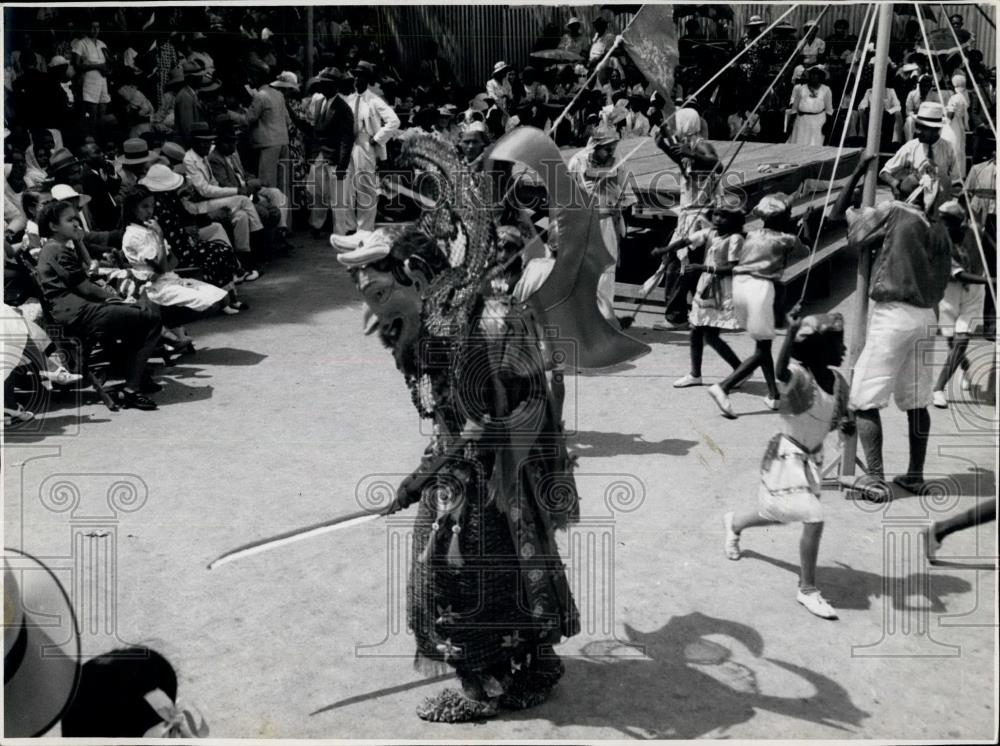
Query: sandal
x=452, y=706
x=732, y=538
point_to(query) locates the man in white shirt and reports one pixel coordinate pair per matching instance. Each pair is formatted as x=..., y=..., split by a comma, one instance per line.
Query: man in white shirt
x=375, y=123
x=90, y=59
x=927, y=163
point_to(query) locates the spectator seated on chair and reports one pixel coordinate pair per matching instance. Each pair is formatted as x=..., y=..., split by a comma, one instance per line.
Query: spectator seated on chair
x=89, y=309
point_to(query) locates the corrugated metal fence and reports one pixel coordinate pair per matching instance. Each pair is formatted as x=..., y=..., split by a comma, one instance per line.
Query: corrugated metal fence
x=474, y=37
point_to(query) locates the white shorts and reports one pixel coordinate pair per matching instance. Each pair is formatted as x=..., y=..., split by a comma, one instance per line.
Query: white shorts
x=753, y=303
x=961, y=308
x=95, y=88
x=895, y=361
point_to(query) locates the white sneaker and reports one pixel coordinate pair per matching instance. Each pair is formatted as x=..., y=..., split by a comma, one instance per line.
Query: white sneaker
x=772, y=404
x=349, y=243
x=931, y=544
x=816, y=604
x=722, y=401
x=939, y=400
x=732, y=538
x=966, y=385
x=686, y=381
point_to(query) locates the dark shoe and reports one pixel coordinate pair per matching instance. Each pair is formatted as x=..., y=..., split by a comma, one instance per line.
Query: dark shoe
x=135, y=400
x=149, y=386
x=239, y=305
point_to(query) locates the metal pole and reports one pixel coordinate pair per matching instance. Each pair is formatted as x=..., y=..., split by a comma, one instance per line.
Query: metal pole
x=850, y=450
x=310, y=42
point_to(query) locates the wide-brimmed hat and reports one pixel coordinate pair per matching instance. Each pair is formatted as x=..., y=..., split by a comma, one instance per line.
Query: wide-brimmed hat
x=58, y=61
x=501, y=67
x=135, y=150
x=601, y=138
x=755, y=20
x=61, y=159
x=930, y=114
x=784, y=26
x=773, y=204
x=202, y=131
x=573, y=21
x=476, y=128
x=909, y=68
x=326, y=76
x=821, y=69
x=172, y=151
x=161, y=178
x=211, y=83
x=362, y=66
x=41, y=647
x=286, y=79
x=810, y=23
x=191, y=69
x=66, y=192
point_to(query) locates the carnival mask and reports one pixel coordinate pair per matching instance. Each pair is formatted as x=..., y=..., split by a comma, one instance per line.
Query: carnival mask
x=393, y=310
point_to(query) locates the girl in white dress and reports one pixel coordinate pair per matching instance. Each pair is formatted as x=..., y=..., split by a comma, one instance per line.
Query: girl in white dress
x=812, y=103
x=148, y=254
x=813, y=402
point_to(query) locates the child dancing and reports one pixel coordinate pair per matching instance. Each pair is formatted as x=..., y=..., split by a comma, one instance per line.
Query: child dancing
x=712, y=305
x=814, y=403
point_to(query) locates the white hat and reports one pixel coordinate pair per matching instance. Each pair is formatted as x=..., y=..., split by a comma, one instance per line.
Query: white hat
x=755, y=21
x=809, y=23
x=953, y=208
x=286, y=79
x=65, y=191
x=41, y=647
x=58, y=60
x=930, y=114
x=477, y=127
x=573, y=20
x=160, y=178
x=500, y=67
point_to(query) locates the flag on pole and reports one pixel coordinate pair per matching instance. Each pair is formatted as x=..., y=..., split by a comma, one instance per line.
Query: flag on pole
x=651, y=41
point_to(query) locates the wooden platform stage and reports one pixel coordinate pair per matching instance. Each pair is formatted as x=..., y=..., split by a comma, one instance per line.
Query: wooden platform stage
x=652, y=181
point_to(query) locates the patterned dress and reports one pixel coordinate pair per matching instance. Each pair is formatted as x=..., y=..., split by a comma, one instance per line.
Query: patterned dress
x=216, y=259
x=712, y=304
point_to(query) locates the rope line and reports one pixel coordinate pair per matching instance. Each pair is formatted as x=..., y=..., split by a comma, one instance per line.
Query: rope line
x=836, y=161
x=965, y=194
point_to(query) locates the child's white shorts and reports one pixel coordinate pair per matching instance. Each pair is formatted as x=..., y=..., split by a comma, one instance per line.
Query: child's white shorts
x=961, y=308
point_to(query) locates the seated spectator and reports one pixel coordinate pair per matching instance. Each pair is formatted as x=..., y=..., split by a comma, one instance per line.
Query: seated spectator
x=164, y=115
x=187, y=108
x=100, y=183
x=37, y=158
x=89, y=309
x=206, y=246
x=13, y=187
x=227, y=168
x=134, y=162
x=138, y=110
x=243, y=217
x=32, y=202
x=153, y=263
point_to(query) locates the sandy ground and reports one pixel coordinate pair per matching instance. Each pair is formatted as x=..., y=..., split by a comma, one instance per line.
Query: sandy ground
x=287, y=415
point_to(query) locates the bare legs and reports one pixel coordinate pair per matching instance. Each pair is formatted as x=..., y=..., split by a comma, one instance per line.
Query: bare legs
x=761, y=358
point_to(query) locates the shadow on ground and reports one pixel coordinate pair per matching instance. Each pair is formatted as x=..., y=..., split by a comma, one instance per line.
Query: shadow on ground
x=590, y=443
x=675, y=683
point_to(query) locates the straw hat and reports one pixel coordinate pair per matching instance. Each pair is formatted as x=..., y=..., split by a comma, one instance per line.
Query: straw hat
x=573, y=21
x=930, y=114
x=500, y=67
x=602, y=136
x=819, y=323
x=172, y=151
x=135, y=150
x=202, y=131
x=755, y=20
x=161, y=178
x=41, y=647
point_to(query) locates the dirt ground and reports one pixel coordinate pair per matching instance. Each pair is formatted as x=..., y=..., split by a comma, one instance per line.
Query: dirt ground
x=287, y=415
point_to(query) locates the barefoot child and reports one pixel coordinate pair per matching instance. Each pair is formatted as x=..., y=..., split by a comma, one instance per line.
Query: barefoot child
x=712, y=305
x=814, y=403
